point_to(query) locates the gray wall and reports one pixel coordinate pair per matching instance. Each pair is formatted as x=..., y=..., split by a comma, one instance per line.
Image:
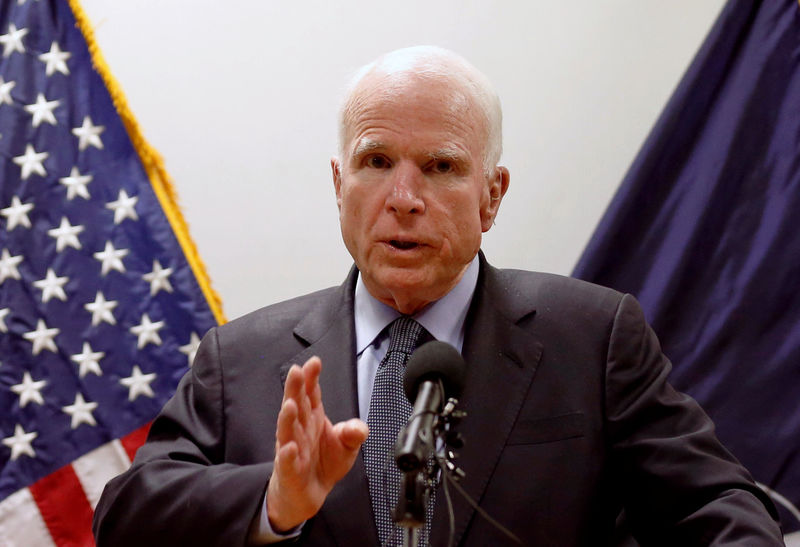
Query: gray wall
x=240, y=98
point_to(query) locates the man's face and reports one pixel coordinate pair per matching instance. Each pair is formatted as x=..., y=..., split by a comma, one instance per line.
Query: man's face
x=412, y=193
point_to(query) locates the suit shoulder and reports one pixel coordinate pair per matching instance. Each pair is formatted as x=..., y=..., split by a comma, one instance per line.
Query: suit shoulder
x=278, y=317
x=547, y=291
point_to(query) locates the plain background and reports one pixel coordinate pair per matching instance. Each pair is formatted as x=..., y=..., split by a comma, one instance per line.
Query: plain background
x=240, y=99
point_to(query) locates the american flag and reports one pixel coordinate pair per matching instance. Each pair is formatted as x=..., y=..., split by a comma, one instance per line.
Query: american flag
x=102, y=297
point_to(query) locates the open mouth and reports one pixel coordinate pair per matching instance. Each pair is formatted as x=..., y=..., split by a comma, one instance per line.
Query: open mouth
x=403, y=245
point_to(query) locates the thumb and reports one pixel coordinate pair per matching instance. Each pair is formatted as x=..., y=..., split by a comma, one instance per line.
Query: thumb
x=351, y=433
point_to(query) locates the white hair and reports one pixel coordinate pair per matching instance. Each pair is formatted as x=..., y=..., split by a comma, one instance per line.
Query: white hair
x=435, y=63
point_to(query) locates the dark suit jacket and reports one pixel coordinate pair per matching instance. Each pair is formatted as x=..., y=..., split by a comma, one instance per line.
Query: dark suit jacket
x=570, y=419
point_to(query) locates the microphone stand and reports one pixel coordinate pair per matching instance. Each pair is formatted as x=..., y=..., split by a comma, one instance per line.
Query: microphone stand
x=417, y=484
x=409, y=513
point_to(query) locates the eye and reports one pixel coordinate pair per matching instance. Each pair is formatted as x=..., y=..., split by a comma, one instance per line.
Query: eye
x=377, y=162
x=442, y=167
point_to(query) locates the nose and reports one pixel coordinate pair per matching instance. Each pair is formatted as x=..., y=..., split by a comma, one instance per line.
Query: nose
x=405, y=195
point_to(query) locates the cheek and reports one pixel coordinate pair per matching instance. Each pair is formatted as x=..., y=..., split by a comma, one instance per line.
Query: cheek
x=358, y=198
x=354, y=217
x=473, y=225
x=349, y=205
x=463, y=229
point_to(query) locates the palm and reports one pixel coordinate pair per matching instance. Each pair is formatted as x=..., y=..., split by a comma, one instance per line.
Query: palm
x=311, y=454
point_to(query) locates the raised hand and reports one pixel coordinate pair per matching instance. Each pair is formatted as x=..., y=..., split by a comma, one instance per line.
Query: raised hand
x=311, y=454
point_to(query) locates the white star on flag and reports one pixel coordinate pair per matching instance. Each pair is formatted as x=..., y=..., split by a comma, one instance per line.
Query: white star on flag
x=147, y=331
x=158, y=278
x=17, y=214
x=123, y=207
x=52, y=286
x=13, y=40
x=76, y=184
x=28, y=390
x=91, y=265
x=111, y=258
x=42, y=338
x=138, y=383
x=42, y=110
x=5, y=91
x=20, y=443
x=190, y=349
x=31, y=162
x=101, y=310
x=88, y=134
x=8, y=266
x=89, y=361
x=66, y=235
x=56, y=60
x=80, y=411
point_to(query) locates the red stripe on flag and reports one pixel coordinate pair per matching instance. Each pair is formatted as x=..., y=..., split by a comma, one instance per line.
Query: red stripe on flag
x=64, y=507
x=132, y=441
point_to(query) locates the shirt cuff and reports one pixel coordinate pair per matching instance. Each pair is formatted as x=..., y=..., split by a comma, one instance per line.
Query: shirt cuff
x=262, y=533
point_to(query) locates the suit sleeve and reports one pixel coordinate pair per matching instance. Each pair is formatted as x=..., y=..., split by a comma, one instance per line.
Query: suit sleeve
x=178, y=490
x=678, y=484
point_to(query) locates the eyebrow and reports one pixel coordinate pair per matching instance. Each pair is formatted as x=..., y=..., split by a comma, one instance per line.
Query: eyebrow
x=452, y=154
x=367, y=145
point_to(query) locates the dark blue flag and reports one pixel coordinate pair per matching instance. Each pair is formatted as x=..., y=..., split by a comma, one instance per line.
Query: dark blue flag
x=102, y=296
x=705, y=231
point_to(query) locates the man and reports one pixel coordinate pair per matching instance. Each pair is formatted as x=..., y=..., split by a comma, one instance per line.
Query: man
x=570, y=417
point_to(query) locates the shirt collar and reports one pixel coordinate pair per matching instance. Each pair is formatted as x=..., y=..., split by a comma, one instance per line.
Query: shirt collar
x=444, y=319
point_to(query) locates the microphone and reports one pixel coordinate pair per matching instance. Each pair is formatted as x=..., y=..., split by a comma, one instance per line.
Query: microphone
x=434, y=373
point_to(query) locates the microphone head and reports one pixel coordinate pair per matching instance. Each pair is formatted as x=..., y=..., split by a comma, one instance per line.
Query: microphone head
x=435, y=361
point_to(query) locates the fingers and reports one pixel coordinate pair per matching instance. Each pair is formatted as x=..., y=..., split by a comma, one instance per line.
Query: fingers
x=298, y=485
x=301, y=396
x=311, y=394
x=294, y=383
x=311, y=453
x=287, y=456
x=312, y=368
x=311, y=371
x=302, y=387
x=292, y=415
x=287, y=418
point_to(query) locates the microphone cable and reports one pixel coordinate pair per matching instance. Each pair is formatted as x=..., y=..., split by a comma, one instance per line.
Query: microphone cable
x=448, y=479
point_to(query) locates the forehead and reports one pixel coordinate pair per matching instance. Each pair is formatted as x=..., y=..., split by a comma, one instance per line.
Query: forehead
x=429, y=112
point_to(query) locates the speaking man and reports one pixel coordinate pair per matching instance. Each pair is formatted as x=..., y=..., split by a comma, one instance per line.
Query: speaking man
x=570, y=416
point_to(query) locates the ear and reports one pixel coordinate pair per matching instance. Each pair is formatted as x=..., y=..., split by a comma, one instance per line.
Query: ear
x=498, y=185
x=336, y=171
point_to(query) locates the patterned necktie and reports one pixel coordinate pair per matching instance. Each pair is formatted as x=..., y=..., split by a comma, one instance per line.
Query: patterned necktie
x=389, y=411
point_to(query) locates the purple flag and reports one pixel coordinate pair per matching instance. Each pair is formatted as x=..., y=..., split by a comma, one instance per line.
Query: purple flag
x=705, y=231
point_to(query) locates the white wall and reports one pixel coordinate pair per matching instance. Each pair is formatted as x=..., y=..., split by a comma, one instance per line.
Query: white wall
x=240, y=97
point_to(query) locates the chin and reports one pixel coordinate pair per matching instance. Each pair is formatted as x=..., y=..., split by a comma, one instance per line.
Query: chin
x=412, y=285
x=402, y=279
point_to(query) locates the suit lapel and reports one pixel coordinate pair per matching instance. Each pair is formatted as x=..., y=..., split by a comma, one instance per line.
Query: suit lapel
x=501, y=360
x=329, y=332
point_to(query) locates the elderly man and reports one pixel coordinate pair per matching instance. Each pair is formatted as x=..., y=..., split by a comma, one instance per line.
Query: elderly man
x=570, y=416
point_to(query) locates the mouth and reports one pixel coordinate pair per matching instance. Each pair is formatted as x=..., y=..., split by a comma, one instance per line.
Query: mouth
x=403, y=245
